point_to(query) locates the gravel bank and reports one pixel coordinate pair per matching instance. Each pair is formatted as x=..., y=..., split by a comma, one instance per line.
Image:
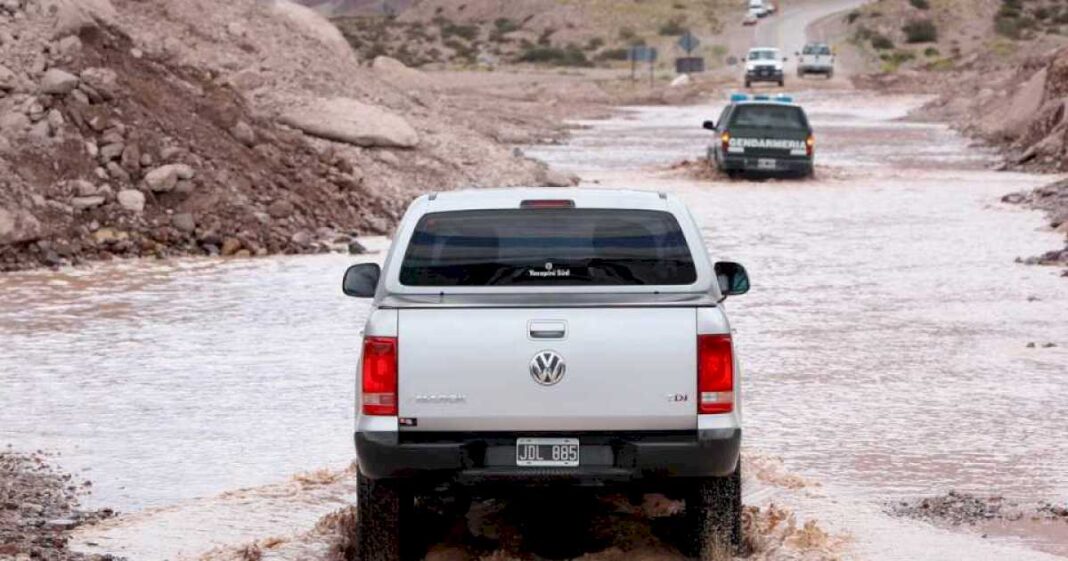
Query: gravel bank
x=39, y=509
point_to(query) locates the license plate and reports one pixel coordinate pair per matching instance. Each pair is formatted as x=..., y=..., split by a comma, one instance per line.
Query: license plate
x=765, y=163
x=547, y=452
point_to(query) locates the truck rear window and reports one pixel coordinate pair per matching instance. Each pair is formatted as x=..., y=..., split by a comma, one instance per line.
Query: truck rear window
x=555, y=247
x=770, y=116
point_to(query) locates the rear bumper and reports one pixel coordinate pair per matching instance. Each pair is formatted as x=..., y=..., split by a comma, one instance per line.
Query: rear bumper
x=815, y=69
x=744, y=162
x=605, y=457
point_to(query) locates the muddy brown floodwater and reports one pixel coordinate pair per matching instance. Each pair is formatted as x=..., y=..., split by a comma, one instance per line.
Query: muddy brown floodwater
x=886, y=345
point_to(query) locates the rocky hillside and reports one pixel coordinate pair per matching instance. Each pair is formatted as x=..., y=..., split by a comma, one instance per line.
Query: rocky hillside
x=1002, y=81
x=491, y=32
x=168, y=127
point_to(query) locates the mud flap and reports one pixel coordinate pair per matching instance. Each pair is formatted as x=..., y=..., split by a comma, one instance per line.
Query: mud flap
x=713, y=518
x=382, y=507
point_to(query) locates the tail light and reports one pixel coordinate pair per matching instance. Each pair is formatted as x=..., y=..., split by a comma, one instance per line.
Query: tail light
x=725, y=138
x=810, y=145
x=379, y=382
x=715, y=374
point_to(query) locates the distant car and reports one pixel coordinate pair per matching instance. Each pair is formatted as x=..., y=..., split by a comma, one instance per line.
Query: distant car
x=769, y=135
x=750, y=18
x=764, y=64
x=758, y=8
x=815, y=58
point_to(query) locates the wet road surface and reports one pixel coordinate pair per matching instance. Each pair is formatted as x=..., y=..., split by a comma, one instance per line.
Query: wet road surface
x=885, y=342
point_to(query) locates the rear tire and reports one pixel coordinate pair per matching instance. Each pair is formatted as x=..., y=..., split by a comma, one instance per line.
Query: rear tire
x=782, y=83
x=748, y=84
x=714, y=517
x=382, y=507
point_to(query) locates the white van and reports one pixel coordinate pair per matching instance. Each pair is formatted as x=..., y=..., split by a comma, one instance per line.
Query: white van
x=758, y=8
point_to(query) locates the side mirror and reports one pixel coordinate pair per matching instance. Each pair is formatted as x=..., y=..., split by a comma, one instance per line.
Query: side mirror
x=361, y=280
x=710, y=125
x=733, y=280
x=784, y=59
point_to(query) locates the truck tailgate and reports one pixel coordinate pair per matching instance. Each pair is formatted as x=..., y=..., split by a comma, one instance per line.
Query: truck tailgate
x=623, y=369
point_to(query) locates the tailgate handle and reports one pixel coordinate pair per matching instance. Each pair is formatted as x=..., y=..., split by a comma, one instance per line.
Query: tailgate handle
x=547, y=329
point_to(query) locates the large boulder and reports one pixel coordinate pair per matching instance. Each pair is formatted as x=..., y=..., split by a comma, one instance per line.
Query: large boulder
x=73, y=16
x=18, y=226
x=398, y=74
x=58, y=82
x=165, y=178
x=353, y=122
x=132, y=200
x=8, y=80
x=14, y=123
x=103, y=80
x=307, y=22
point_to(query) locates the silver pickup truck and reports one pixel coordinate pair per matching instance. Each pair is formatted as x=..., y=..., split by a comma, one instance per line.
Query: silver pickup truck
x=522, y=338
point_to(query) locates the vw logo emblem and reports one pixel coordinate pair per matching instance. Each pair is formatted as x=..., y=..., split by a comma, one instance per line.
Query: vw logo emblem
x=547, y=368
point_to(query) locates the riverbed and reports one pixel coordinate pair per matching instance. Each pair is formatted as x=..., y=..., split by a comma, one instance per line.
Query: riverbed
x=892, y=347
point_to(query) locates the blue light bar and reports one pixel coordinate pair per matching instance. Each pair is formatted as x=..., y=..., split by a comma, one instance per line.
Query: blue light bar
x=783, y=98
x=736, y=97
x=761, y=97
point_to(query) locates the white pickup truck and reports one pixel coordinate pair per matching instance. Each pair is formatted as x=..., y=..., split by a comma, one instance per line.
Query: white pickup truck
x=815, y=58
x=547, y=337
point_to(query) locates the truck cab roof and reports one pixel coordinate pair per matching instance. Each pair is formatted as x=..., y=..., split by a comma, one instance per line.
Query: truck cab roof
x=515, y=197
x=427, y=219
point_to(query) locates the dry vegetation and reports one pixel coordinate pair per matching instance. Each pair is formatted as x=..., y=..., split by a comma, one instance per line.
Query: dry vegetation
x=939, y=34
x=490, y=32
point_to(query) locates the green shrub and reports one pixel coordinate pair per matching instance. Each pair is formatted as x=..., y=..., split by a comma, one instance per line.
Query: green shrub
x=921, y=4
x=505, y=25
x=594, y=44
x=881, y=42
x=674, y=26
x=892, y=61
x=941, y=65
x=570, y=55
x=608, y=55
x=920, y=31
x=1008, y=27
x=852, y=17
x=468, y=32
x=931, y=52
x=545, y=39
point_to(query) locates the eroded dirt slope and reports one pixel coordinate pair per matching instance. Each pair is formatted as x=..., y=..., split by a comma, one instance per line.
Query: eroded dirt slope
x=153, y=128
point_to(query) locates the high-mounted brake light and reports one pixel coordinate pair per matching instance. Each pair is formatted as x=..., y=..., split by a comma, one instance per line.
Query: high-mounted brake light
x=810, y=145
x=379, y=381
x=547, y=203
x=715, y=374
x=725, y=138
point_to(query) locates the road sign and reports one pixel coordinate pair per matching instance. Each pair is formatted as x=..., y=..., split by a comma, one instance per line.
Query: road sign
x=689, y=65
x=688, y=42
x=641, y=53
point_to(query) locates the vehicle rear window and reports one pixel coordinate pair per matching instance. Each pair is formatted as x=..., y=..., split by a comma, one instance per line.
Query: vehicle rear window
x=817, y=50
x=555, y=247
x=769, y=116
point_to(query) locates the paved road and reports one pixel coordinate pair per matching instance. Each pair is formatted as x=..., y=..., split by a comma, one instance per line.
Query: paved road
x=790, y=28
